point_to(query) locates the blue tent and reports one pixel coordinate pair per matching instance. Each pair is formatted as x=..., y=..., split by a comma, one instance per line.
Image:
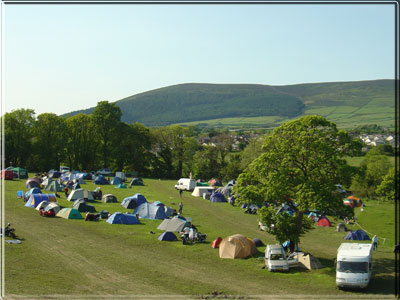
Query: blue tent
x=167, y=236
x=120, y=218
x=121, y=186
x=150, y=211
x=133, y=201
x=116, y=181
x=32, y=191
x=357, y=235
x=76, y=186
x=100, y=180
x=35, y=199
x=55, y=174
x=217, y=197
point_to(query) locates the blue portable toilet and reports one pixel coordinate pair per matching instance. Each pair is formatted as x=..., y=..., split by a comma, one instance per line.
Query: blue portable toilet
x=217, y=197
x=120, y=218
x=167, y=236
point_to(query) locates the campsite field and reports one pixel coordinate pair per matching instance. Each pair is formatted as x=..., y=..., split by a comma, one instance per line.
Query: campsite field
x=61, y=258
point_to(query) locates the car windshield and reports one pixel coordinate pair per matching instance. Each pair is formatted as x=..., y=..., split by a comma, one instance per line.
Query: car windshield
x=276, y=257
x=352, y=267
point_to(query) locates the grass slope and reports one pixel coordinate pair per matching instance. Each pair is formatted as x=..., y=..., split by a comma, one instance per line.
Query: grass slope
x=61, y=258
x=348, y=104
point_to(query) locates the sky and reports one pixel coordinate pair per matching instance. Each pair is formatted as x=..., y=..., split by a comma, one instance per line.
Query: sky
x=62, y=58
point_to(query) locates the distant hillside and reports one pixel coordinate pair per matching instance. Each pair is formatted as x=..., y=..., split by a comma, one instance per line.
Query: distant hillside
x=347, y=103
x=198, y=102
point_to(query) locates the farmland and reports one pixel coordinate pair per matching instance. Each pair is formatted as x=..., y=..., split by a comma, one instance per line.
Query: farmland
x=61, y=258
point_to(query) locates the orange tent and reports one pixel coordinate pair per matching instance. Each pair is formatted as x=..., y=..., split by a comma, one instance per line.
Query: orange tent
x=215, y=243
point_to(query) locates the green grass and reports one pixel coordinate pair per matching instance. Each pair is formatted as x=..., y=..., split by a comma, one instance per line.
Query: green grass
x=356, y=161
x=77, y=259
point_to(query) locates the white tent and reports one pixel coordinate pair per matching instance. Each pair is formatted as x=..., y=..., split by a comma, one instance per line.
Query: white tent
x=199, y=191
x=80, y=194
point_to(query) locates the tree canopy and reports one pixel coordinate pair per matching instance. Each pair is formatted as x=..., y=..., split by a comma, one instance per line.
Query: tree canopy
x=301, y=163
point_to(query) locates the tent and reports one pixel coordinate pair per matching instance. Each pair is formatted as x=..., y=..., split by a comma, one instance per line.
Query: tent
x=54, y=186
x=109, y=198
x=80, y=194
x=32, y=191
x=199, y=191
x=100, y=180
x=308, y=261
x=20, y=172
x=53, y=205
x=226, y=190
x=69, y=213
x=169, y=211
x=121, y=186
x=116, y=181
x=120, y=218
x=82, y=206
x=55, y=174
x=42, y=204
x=150, y=211
x=104, y=214
x=35, y=199
x=232, y=182
x=352, y=201
x=32, y=183
x=158, y=203
x=217, y=197
x=236, y=246
x=215, y=182
x=341, y=227
x=215, y=243
x=175, y=224
x=76, y=186
x=324, y=221
x=136, y=181
x=167, y=236
x=133, y=201
x=258, y=242
x=357, y=235
x=7, y=174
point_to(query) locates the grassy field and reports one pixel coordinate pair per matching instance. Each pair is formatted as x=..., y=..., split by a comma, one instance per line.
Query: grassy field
x=74, y=259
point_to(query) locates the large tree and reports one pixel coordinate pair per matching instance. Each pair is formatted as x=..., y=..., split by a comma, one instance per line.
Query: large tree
x=300, y=165
x=106, y=118
x=18, y=136
x=49, y=141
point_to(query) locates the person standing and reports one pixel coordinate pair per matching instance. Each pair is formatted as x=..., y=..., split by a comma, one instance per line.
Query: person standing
x=180, y=207
x=180, y=193
x=375, y=241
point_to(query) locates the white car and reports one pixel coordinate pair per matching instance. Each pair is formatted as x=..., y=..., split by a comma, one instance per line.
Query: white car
x=275, y=258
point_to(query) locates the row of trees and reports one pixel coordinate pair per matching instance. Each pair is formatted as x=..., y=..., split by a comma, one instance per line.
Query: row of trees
x=100, y=140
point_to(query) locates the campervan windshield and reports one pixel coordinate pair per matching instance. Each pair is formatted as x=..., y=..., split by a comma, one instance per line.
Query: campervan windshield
x=352, y=267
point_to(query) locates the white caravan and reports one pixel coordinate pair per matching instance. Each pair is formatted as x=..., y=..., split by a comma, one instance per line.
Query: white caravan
x=354, y=265
x=185, y=184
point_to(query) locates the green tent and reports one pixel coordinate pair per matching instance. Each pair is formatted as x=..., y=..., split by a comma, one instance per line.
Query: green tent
x=54, y=186
x=21, y=172
x=69, y=213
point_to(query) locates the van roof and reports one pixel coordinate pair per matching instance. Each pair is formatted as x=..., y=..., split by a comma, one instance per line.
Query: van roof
x=355, y=249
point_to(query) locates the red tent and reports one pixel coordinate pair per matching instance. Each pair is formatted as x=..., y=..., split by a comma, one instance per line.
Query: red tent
x=324, y=222
x=215, y=243
x=7, y=174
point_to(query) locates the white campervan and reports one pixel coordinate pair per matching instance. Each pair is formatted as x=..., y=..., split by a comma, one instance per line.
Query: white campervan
x=275, y=258
x=354, y=265
x=185, y=184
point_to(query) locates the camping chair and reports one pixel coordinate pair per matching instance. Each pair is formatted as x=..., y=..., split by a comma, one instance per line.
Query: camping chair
x=20, y=194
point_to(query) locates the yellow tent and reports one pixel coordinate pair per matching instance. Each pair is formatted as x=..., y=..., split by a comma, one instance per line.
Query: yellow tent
x=236, y=246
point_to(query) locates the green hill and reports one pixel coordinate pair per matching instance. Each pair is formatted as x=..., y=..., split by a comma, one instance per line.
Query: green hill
x=234, y=105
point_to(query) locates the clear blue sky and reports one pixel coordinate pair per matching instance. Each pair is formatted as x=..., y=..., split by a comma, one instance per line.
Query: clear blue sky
x=59, y=58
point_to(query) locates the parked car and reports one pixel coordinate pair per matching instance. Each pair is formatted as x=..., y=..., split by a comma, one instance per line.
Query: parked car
x=275, y=258
x=105, y=172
